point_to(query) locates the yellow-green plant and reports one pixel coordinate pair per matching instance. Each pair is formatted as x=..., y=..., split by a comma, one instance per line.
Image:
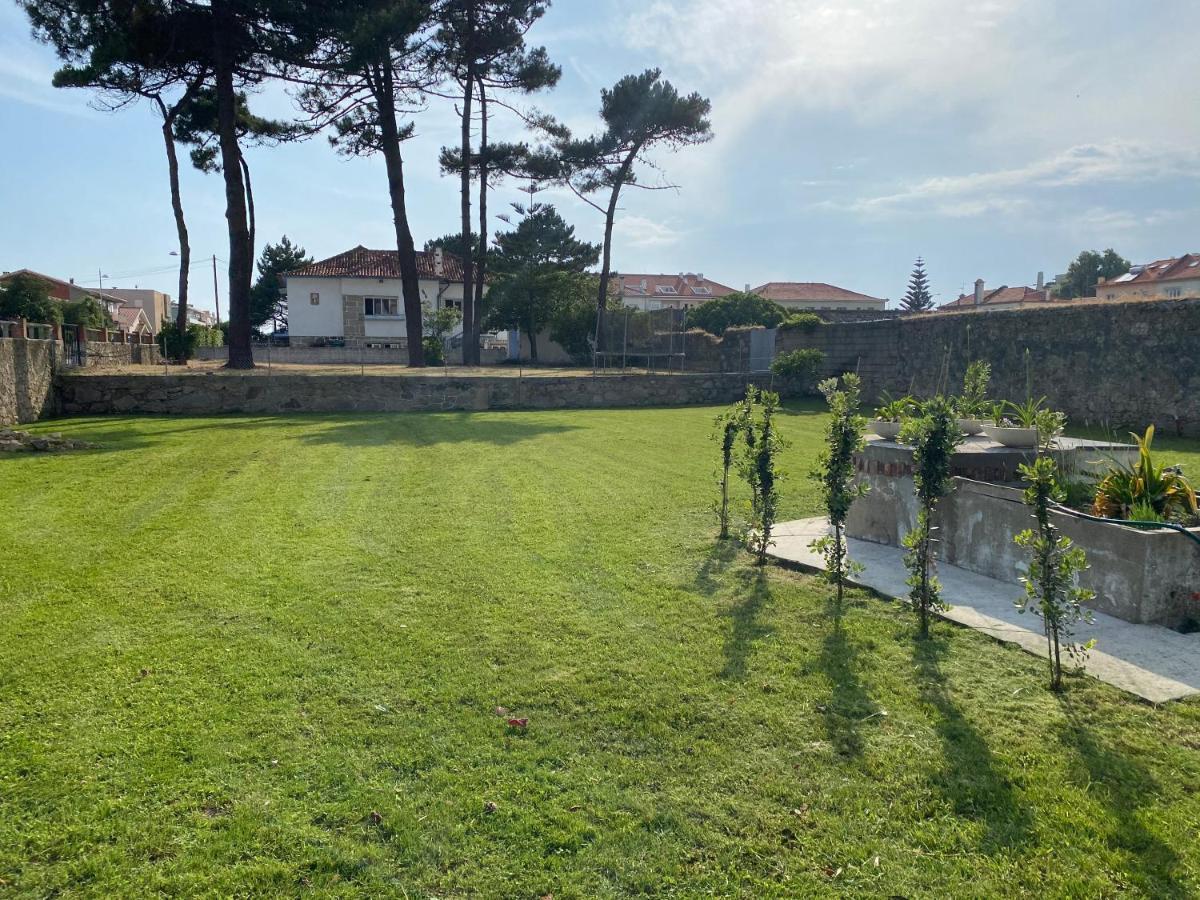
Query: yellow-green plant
x=1145, y=484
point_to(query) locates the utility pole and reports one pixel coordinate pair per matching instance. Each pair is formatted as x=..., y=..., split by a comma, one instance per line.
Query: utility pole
x=216, y=293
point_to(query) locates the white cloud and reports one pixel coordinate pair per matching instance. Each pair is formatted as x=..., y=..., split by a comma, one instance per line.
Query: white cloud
x=1016, y=189
x=639, y=231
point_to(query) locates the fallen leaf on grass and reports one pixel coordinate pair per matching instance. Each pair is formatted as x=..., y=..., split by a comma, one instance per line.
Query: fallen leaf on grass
x=501, y=710
x=375, y=818
x=518, y=723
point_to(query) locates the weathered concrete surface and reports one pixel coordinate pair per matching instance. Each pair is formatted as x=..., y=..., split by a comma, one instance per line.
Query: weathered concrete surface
x=1141, y=576
x=1123, y=365
x=26, y=379
x=256, y=393
x=1149, y=661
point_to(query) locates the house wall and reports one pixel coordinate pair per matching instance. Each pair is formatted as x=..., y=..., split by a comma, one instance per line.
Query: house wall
x=816, y=305
x=1121, y=365
x=339, y=312
x=1187, y=287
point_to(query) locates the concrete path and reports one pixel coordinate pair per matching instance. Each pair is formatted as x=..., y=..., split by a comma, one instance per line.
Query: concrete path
x=1150, y=661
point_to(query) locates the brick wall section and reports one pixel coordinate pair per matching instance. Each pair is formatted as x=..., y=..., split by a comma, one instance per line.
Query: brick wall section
x=26, y=379
x=229, y=393
x=1118, y=365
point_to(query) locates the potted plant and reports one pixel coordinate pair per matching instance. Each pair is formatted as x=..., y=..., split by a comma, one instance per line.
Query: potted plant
x=891, y=415
x=1024, y=425
x=972, y=405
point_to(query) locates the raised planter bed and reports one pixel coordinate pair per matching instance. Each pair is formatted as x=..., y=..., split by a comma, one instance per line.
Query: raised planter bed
x=1141, y=576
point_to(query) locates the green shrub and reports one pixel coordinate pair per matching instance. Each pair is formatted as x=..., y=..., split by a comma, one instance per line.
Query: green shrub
x=805, y=321
x=799, y=368
x=88, y=312
x=738, y=308
x=27, y=297
x=181, y=347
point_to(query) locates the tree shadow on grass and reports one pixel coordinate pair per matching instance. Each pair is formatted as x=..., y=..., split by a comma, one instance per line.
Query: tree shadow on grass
x=849, y=705
x=969, y=779
x=753, y=594
x=716, y=561
x=1122, y=785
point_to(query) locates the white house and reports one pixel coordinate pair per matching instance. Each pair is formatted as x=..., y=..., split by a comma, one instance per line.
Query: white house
x=356, y=297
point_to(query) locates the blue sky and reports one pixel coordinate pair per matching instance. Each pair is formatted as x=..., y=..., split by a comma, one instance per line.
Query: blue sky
x=996, y=138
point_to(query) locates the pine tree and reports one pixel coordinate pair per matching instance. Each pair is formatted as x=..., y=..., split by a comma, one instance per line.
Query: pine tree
x=918, y=298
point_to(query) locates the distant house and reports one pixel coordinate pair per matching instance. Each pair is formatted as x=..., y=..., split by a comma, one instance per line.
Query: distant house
x=355, y=298
x=1003, y=297
x=816, y=295
x=1163, y=279
x=195, y=316
x=682, y=291
x=156, y=304
x=69, y=291
x=133, y=321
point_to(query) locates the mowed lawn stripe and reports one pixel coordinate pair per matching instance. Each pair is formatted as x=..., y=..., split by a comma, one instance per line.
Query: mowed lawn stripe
x=255, y=655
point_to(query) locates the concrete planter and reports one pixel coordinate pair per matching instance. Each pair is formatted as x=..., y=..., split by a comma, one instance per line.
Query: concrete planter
x=1012, y=437
x=1139, y=576
x=1142, y=576
x=889, y=431
x=970, y=426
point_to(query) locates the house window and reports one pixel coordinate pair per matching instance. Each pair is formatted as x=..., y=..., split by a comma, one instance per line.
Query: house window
x=314, y=298
x=702, y=291
x=449, y=303
x=380, y=306
x=1174, y=292
x=666, y=289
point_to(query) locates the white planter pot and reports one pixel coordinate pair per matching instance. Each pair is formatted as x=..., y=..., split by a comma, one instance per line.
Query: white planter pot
x=970, y=426
x=1012, y=437
x=889, y=431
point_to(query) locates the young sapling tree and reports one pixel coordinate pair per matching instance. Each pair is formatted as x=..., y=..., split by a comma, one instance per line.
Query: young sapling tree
x=835, y=474
x=1052, y=590
x=728, y=426
x=762, y=447
x=933, y=435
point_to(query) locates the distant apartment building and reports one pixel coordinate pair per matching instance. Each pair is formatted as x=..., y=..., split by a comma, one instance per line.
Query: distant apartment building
x=195, y=316
x=1163, y=279
x=155, y=304
x=68, y=291
x=1003, y=297
x=682, y=291
x=816, y=295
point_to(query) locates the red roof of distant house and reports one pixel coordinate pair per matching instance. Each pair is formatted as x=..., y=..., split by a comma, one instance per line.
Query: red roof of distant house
x=59, y=289
x=363, y=263
x=1174, y=269
x=128, y=316
x=812, y=291
x=1002, y=296
x=686, y=285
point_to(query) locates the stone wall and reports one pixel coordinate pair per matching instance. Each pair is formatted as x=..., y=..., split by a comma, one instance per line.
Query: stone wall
x=100, y=354
x=26, y=379
x=1120, y=365
x=260, y=393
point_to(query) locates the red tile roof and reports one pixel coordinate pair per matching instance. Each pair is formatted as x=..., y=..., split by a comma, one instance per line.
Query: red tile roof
x=1174, y=269
x=128, y=316
x=686, y=286
x=1002, y=296
x=363, y=263
x=813, y=291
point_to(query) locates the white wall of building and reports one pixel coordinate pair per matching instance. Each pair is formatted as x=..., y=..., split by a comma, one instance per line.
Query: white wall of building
x=325, y=317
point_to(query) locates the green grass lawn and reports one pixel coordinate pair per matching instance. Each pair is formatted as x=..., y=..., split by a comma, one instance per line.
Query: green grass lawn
x=264, y=655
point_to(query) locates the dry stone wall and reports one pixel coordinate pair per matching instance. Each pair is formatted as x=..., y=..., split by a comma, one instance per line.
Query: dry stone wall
x=26, y=379
x=1119, y=365
x=272, y=394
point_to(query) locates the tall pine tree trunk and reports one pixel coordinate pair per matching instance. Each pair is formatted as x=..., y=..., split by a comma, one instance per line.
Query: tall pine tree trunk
x=406, y=251
x=241, y=354
x=249, y=202
x=481, y=267
x=185, y=248
x=470, y=340
x=605, y=267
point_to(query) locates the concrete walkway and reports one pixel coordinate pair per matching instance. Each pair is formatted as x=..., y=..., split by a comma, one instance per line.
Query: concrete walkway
x=1150, y=661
